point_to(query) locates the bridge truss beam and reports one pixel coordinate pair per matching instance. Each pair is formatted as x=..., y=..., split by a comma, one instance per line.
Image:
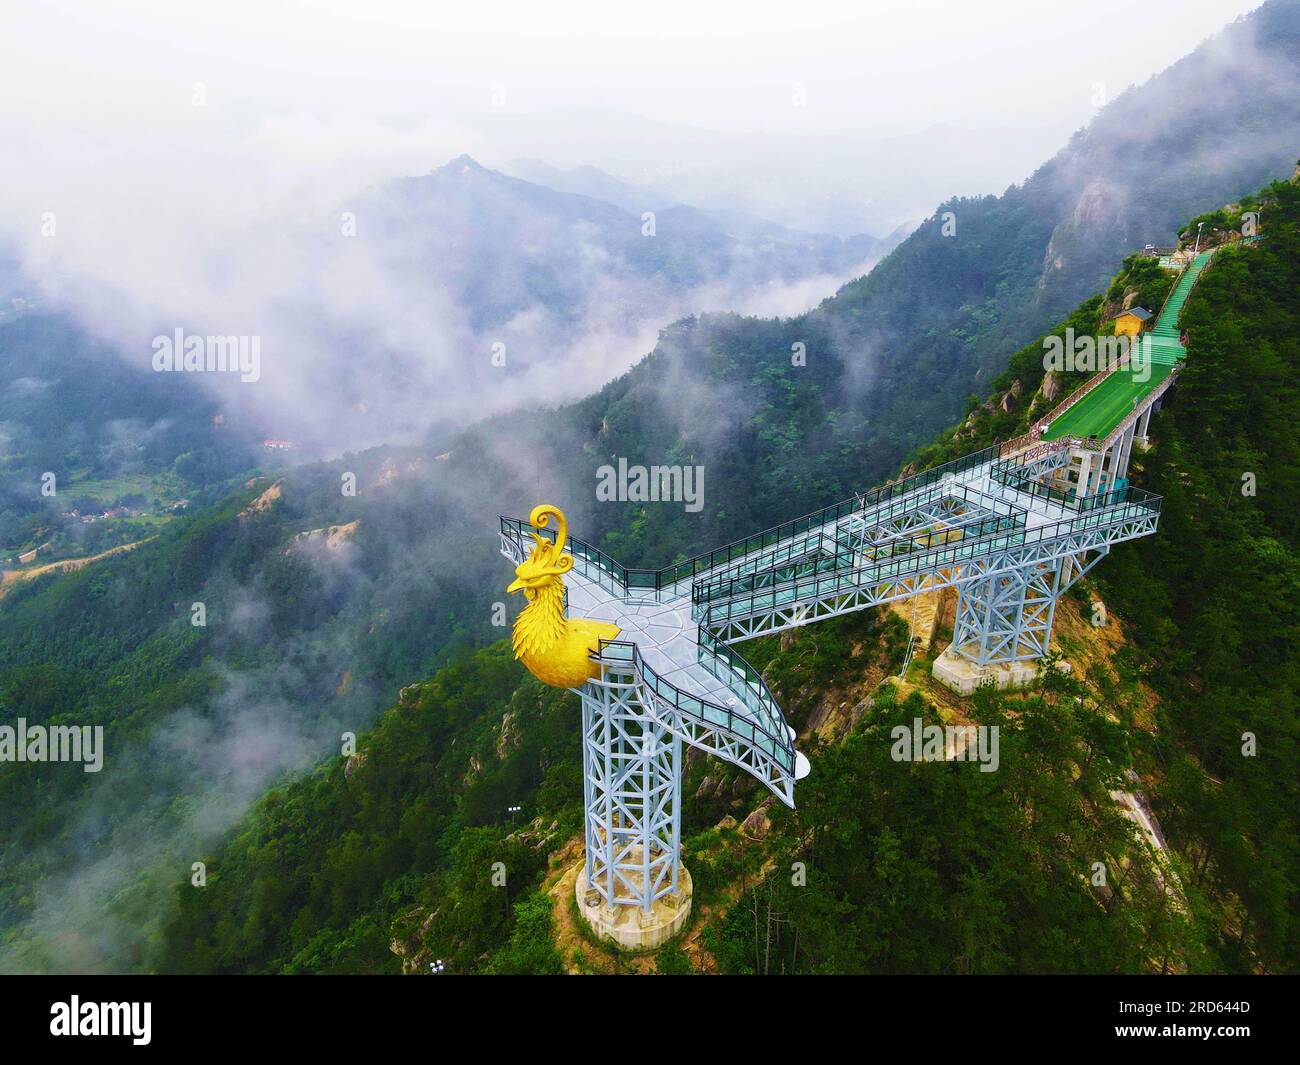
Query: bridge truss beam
x=732, y=622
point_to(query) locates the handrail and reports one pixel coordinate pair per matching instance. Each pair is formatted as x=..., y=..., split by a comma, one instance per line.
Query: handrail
x=1114, y=506
x=892, y=489
x=779, y=747
x=1006, y=450
x=1073, y=398
x=725, y=587
x=1015, y=474
x=657, y=580
x=1096, y=379
x=1172, y=289
x=1133, y=415
x=793, y=590
x=1025, y=439
x=764, y=725
x=807, y=547
x=836, y=553
x=829, y=547
x=516, y=529
x=712, y=650
x=774, y=739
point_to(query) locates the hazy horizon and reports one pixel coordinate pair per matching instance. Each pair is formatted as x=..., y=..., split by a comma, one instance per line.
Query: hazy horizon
x=189, y=175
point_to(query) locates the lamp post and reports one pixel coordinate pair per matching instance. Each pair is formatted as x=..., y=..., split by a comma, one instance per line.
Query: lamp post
x=1199, y=227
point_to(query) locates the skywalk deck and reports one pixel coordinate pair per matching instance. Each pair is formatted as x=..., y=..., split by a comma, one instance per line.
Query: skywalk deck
x=970, y=519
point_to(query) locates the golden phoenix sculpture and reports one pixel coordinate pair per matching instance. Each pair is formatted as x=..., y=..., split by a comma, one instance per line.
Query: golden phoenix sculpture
x=557, y=650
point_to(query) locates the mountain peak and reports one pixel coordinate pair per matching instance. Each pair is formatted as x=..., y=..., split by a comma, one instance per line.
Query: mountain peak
x=462, y=164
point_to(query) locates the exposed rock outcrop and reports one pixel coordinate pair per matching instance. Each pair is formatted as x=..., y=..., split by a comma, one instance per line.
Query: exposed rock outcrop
x=757, y=825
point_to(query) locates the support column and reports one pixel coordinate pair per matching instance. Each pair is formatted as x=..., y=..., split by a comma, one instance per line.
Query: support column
x=1003, y=626
x=1085, y=469
x=632, y=889
x=1143, y=425
x=1099, y=465
x=1125, y=451
x=1109, y=464
x=1007, y=618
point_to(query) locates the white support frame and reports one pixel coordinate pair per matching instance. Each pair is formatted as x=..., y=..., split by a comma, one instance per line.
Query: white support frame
x=632, y=784
x=1010, y=573
x=1008, y=617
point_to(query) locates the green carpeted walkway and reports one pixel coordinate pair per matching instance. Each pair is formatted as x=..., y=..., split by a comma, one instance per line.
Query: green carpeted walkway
x=1097, y=413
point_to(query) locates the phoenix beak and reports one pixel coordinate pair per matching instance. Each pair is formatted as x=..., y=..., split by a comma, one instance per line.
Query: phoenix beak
x=516, y=586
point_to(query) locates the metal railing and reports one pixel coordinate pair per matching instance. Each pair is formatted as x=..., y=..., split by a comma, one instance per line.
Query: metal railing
x=758, y=719
x=838, y=542
x=607, y=573
x=656, y=580
x=769, y=734
x=692, y=567
x=774, y=741
x=1070, y=400
x=761, y=590
x=839, y=552
x=726, y=663
x=724, y=587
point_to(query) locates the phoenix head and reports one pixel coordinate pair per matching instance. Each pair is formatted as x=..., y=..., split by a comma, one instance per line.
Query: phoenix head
x=547, y=563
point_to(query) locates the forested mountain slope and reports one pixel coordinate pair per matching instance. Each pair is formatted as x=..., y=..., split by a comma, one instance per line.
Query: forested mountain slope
x=321, y=605
x=1211, y=600
x=106, y=429
x=985, y=275
x=379, y=862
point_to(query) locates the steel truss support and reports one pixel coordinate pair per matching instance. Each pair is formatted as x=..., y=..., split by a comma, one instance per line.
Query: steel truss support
x=1078, y=565
x=1007, y=617
x=743, y=619
x=632, y=784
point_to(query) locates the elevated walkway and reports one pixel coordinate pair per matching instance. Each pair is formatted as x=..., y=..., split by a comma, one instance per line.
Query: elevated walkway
x=1129, y=390
x=1010, y=527
x=983, y=520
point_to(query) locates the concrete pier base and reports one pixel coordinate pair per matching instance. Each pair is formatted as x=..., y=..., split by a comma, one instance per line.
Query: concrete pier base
x=631, y=927
x=964, y=676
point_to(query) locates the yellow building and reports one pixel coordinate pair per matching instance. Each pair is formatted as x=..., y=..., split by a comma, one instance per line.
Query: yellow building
x=1131, y=322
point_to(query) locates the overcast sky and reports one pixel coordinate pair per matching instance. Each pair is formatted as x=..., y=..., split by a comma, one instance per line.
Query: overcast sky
x=371, y=76
x=176, y=143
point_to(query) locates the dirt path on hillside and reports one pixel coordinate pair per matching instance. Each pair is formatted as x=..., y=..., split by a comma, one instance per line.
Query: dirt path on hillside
x=66, y=565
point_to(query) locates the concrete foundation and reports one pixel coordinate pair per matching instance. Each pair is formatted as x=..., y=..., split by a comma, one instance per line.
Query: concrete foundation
x=964, y=676
x=630, y=927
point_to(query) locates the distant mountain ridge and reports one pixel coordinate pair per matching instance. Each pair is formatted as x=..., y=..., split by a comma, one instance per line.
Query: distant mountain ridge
x=593, y=182
x=982, y=276
x=506, y=244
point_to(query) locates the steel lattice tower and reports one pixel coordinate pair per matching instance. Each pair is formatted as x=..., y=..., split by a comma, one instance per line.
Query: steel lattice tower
x=633, y=789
